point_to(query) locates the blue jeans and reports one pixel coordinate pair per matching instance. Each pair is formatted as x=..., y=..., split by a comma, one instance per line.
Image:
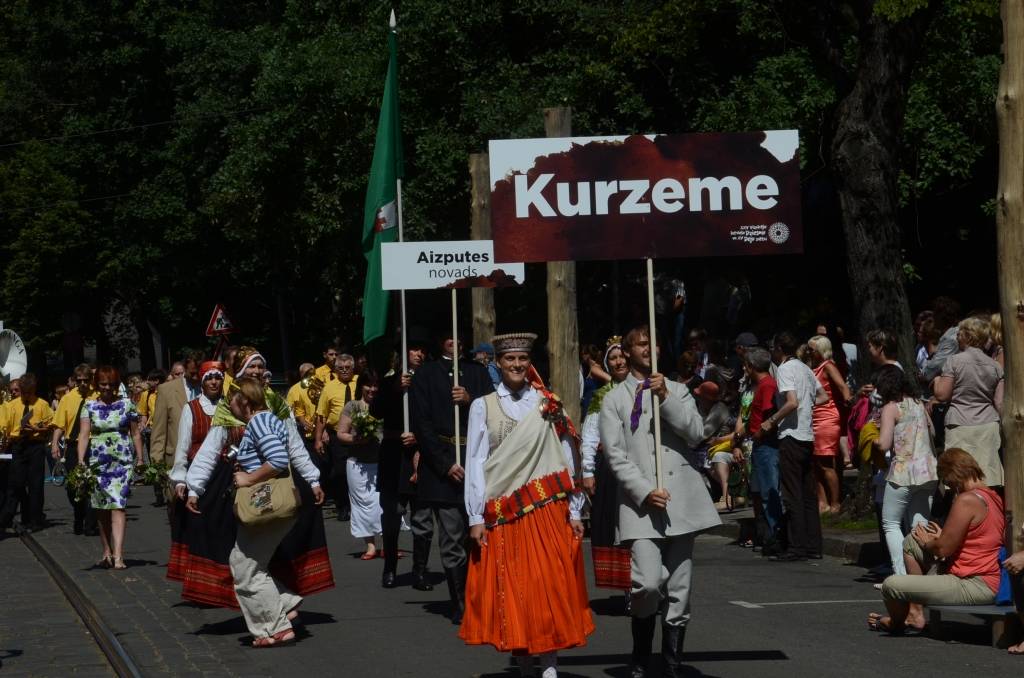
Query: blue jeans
x=765, y=462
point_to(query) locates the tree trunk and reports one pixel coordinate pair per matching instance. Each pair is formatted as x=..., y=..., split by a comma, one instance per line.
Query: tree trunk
x=864, y=163
x=563, y=323
x=1010, y=232
x=480, y=229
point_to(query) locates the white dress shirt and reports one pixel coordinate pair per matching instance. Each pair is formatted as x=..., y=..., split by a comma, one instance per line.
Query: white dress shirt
x=180, y=467
x=201, y=468
x=478, y=448
x=590, y=439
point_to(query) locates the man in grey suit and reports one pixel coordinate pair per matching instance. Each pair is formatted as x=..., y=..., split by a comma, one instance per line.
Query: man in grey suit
x=659, y=524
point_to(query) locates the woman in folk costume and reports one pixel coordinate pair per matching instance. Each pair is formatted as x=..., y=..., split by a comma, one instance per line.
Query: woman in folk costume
x=525, y=591
x=192, y=429
x=301, y=563
x=611, y=562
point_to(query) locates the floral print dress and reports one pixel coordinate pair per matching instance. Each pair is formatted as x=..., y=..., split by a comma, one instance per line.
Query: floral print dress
x=111, y=452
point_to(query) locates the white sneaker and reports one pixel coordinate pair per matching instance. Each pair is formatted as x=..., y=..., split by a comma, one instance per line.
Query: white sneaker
x=549, y=662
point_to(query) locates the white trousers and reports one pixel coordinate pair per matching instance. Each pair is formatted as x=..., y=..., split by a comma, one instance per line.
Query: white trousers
x=903, y=507
x=364, y=498
x=264, y=601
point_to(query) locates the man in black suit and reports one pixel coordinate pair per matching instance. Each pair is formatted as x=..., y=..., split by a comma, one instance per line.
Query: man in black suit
x=439, y=488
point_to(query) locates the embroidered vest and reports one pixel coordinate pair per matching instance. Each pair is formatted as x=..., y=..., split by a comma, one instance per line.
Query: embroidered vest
x=200, y=427
x=499, y=424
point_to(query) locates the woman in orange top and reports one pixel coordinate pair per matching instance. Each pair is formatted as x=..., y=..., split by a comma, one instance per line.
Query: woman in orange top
x=968, y=546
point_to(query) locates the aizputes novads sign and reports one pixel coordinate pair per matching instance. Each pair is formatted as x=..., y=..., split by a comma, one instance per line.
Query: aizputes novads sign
x=629, y=197
x=445, y=264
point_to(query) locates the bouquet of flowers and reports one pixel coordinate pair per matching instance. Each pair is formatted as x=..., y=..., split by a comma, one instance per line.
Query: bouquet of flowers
x=83, y=480
x=152, y=474
x=366, y=425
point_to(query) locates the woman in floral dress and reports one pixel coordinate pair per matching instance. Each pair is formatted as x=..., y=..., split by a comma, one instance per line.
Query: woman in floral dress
x=109, y=437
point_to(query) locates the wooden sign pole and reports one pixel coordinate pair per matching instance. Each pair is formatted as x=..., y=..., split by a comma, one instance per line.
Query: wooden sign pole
x=655, y=402
x=455, y=372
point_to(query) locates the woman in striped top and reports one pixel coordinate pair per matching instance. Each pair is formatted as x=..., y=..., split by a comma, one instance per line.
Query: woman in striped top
x=262, y=455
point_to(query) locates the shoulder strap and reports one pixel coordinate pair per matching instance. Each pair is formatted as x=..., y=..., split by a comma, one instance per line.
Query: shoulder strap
x=73, y=435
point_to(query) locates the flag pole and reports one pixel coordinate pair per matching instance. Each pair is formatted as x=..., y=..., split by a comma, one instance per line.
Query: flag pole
x=455, y=371
x=655, y=402
x=392, y=26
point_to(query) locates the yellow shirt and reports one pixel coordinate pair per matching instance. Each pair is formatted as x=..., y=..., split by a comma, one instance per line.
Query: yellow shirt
x=147, y=403
x=325, y=374
x=67, y=409
x=333, y=399
x=302, y=407
x=42, y=413
x=228, y=380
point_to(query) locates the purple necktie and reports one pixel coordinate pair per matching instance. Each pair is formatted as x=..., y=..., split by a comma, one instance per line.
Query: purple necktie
x=638, y=405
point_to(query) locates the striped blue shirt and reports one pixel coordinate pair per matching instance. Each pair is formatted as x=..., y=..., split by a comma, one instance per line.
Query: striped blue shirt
x=266, y=433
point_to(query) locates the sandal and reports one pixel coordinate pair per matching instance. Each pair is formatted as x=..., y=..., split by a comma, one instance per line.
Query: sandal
x=883, y=624
x=119, y=564
x=279, y=639
x=368, y=556
x=105, y=563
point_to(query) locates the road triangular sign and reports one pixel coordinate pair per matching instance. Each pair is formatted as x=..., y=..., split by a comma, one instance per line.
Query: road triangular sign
x=219, y=323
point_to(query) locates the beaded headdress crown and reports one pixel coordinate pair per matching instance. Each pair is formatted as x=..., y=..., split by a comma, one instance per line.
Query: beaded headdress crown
x=519, y=341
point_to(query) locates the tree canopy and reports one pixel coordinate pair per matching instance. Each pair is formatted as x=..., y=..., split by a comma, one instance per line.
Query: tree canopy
x=169, y=156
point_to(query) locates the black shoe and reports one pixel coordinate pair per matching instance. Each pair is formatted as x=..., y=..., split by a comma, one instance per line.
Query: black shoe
x=786, y=557
x=388, y=580
x=420, y=583
x=643, y=636
x=35, y=527
x=815, y=556
x=672, y=638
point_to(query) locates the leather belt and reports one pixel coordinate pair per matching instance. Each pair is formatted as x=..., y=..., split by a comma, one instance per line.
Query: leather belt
x=451, y=439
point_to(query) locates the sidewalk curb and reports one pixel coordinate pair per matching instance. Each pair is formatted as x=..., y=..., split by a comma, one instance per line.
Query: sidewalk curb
x=862, y=553
x=118, y=658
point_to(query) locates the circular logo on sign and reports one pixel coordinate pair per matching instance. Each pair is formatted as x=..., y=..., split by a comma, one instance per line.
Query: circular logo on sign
x=778, y=233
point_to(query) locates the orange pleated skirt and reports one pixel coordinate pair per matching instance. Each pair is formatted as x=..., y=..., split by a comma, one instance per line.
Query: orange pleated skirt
x=525, y=591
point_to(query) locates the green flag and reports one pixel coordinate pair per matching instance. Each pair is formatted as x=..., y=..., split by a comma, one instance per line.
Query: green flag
x=380, y=216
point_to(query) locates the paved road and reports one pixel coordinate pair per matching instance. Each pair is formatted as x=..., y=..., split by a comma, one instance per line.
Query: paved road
x=40, y=633
x=797, y=619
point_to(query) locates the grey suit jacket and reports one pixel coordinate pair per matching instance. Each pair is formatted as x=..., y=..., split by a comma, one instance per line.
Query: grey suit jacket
x=631, y=458
x=170, y=400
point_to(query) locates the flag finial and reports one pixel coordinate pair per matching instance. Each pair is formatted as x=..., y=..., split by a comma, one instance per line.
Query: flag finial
x=392, y=23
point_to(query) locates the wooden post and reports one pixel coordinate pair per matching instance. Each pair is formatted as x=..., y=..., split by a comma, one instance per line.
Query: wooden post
x=1010, y=234
x=655, y=400
x=455, y=371
x=480, y=229
x=563, y=324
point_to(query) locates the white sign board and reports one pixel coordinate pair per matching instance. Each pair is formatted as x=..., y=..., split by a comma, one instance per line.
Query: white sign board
x=445, y=264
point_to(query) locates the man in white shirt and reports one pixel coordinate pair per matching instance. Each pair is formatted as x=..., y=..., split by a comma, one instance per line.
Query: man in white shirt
x=799, y=392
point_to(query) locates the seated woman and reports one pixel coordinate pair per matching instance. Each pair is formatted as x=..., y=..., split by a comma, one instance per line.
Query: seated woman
x=966, y=548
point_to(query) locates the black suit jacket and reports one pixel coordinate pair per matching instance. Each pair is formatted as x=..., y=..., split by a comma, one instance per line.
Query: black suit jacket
x=433, y=416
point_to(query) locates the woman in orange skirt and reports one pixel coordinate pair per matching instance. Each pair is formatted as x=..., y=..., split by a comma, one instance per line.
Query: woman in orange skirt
x=525, y=590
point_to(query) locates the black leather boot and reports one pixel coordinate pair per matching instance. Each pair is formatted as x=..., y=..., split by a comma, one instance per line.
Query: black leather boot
x=643, y=637
x=672, y=650
x=457, y=592
x=420, y=554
